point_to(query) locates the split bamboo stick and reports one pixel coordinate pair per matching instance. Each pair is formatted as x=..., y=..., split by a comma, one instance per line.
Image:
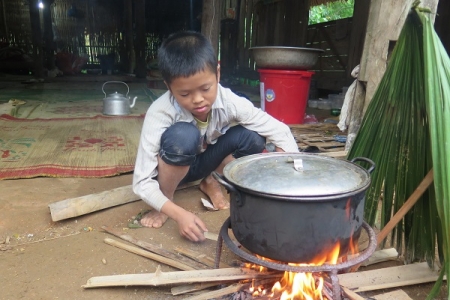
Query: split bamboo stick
x=155, y=249
x=170, y=262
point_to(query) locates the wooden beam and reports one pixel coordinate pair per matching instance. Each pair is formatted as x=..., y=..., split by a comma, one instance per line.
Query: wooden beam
x=388, y=277
x=160, y=278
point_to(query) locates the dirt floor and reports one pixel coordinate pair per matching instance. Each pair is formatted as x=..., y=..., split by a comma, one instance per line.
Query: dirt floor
x=41, y=259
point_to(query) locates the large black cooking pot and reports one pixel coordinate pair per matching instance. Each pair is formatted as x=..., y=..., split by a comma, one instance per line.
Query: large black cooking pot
x=295, y=207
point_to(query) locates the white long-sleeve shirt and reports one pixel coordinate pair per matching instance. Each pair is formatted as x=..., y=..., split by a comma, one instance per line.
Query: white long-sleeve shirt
x=228, y=109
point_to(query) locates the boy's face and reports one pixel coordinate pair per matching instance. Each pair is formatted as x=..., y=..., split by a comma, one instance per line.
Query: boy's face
x=196, y=93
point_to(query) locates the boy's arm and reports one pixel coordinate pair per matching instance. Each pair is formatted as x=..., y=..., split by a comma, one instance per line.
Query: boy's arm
x=144, y=177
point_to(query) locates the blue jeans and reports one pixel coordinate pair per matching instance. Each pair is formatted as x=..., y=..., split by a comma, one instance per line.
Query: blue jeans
x=179, y=147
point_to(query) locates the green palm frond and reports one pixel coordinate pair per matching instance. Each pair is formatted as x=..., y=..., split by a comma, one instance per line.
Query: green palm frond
x=406, y=132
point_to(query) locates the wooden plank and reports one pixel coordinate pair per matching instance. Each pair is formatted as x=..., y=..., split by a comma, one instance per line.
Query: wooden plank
x=179, y=277
x=381, y=256
x=154, y=248
x=397, y=295
x=378, y=256
x=170, y=262
x=335, y=154
x=74, y=207
x=388, y=277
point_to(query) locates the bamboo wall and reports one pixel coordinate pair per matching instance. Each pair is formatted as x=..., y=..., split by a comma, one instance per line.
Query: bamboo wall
x=94, y=27
x=83, y=27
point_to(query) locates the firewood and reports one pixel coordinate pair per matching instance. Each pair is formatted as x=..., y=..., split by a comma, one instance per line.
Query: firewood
x=200, y=257
x=155, y=249
x=183, y=289
x=148, y=254
x=351, y=294
x=187, y=288
x=221, y=292
x=179, y=277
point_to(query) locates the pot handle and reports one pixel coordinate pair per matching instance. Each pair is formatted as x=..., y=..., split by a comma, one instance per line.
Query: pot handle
x=229, y=187
x=372, y=167
x=128, y=88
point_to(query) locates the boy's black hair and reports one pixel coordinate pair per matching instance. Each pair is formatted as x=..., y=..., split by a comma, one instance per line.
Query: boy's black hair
x=184, y=54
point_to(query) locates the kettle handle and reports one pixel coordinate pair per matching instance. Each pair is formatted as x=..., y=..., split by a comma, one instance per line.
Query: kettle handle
x=128, y=88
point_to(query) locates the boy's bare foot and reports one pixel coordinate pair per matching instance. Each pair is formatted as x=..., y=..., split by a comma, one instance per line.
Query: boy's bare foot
x=154, y=219
x=213, y=190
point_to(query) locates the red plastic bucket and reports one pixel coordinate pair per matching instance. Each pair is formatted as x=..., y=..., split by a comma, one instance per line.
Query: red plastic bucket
x=284, y=94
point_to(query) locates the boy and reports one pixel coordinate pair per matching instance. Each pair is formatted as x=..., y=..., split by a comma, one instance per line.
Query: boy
x=187, y=133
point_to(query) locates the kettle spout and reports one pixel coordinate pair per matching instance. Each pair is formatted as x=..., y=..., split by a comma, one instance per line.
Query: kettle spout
x=134, y=101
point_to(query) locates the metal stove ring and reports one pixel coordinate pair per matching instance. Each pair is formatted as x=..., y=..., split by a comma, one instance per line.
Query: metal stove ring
x=366, y=253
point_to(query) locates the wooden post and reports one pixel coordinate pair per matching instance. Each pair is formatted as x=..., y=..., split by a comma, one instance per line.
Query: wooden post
x=296, y=27
x=386, y=19
x=5, y=24
x=441, y=23
x=357, y=35
x=129, y=46
x=141, y=67
x=36, y=35
x=211, y=22
x=48, y=35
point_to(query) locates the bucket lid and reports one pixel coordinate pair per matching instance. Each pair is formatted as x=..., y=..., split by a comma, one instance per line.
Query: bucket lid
x=296, y=175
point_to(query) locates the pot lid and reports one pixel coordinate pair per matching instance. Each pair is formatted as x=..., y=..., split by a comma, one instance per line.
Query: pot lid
x=296, y=175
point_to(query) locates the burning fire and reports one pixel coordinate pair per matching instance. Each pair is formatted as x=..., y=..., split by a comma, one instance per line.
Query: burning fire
x=302, y=286
x=298, y=286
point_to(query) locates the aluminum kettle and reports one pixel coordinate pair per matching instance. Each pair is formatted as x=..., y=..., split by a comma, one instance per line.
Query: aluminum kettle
x=117, y=104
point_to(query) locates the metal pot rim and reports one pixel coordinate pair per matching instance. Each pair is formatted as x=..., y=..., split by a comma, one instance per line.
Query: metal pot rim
x=274, y=175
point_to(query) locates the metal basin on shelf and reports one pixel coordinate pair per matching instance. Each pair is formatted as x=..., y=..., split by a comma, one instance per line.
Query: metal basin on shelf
x=285, y=58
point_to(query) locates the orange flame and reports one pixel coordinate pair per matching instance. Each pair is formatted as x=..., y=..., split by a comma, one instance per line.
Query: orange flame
x=298, y=286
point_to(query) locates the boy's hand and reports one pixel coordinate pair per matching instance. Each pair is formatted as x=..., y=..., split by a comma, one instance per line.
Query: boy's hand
x=189, y=225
